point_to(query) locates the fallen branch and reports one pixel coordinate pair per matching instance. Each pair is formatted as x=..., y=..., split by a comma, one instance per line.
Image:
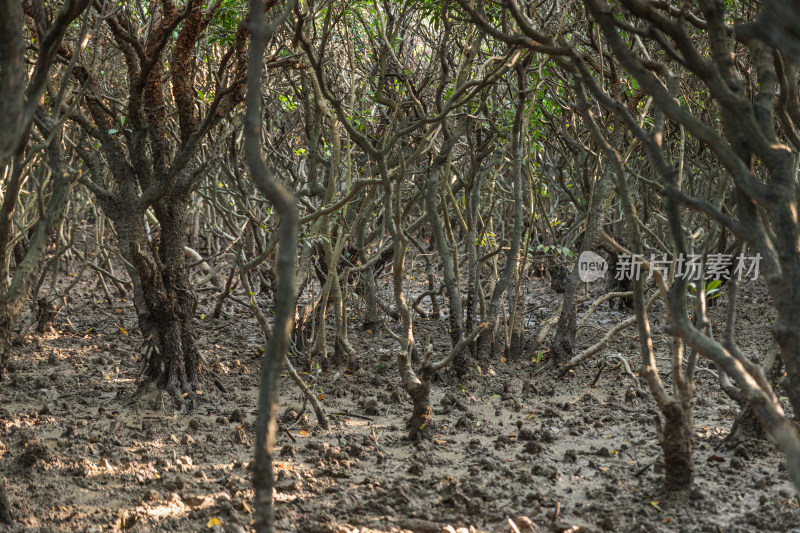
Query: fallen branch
x=599, y=301
x=602, y=343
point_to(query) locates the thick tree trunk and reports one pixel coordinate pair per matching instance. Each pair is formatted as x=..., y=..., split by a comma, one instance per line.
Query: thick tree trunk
x=487, y=342
x=562, y=348
x=420, y=425
x=45, y=315
x=787, y=334
x=164, y=301
x=5, y=506
x=174, y=305
x=6, y=331
x=676, y=441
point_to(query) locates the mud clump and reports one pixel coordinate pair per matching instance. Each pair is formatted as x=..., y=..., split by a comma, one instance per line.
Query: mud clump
x=451, y=401
x=370, y=407
x=288, y=451
x=526, y=435
x=173, y=483
x=532, y=447
x=33, y=454
x=329, y=455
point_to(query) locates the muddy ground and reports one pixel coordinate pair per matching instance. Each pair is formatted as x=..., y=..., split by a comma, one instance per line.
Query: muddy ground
x=511, y=441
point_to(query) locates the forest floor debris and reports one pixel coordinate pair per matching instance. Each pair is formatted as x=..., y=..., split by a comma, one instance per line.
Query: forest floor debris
x=512, y=443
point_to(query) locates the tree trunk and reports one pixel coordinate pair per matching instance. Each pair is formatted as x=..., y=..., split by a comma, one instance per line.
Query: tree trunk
x=370, y=293
x=436, y=312
x=451, y=282
x=473, y=199
x=14, y=289
x=562, y=348
x=164, y=300
x=286, y=269
x=676, y=441
x=787, y=334
x=746, y=427
x=366, y=280
x=319, y=346
x=420, y=425
x=5, y=506
x=616, y=282
x=487, y=342
x=45, y=315
x=517, y=344
x=595, y=216
x=6, y=331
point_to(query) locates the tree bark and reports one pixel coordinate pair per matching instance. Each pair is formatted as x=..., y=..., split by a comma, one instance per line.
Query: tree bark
x=677, y=444
x=565, y=330
x=5, y=507
x=487, y=342
x=420, y=425
x=277, y=346
x=164, y=301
